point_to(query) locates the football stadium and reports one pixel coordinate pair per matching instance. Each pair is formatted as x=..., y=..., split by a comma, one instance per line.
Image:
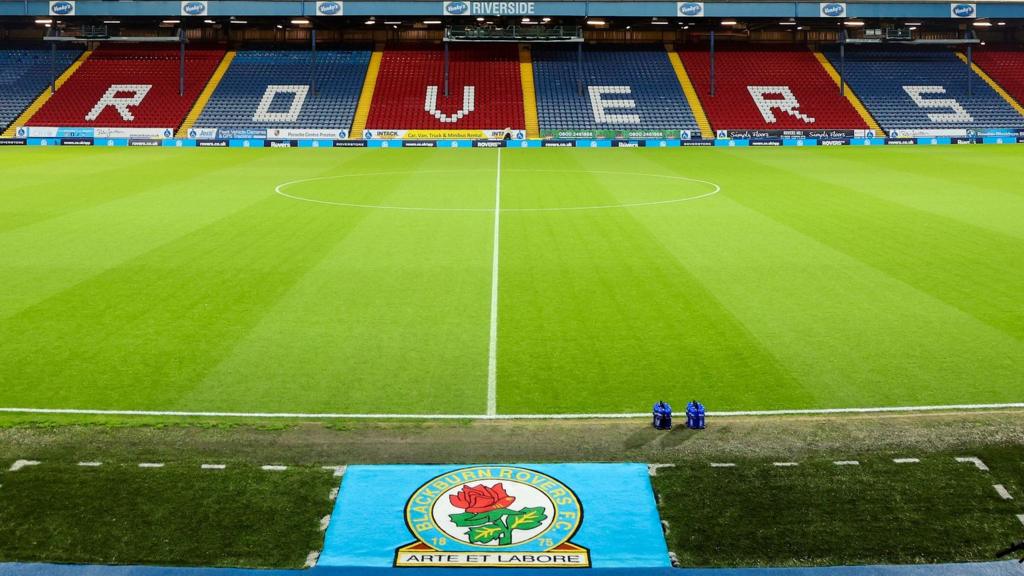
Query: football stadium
x=353, y=287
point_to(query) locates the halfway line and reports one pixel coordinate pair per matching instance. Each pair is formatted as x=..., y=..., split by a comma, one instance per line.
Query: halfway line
x=492, y=350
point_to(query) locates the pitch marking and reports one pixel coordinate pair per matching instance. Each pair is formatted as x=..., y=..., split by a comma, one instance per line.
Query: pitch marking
x=973, y=460
x=90, y=464
x=785, y=464
x=723, y=465
x=571, y=416
x=19, y=464
x=1003, y=493
x=492, y=346
x=906, y=460
x=339, y=471
x=846, y=463
x=274, y=468
x=652, y=469
x=151, y=465
x=279, y=190
x=213, y=466
x=1021, y=518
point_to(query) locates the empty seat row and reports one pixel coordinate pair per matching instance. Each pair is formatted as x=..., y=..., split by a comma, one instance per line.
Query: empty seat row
x=608, y=88
x=287, y=89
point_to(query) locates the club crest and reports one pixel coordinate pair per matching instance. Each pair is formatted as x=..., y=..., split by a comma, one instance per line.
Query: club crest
x=494, y=516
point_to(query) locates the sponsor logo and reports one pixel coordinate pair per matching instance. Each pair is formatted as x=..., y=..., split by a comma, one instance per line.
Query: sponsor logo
x=62, y=8
x=12, y=141
x=489, y=143
x=766, y=142
x=462, y=8
x=193, y=8
x=901, y=141
x=833, y=9
x=457, y=8
x=557, y=144
x=76, y=142
x=419, y=144
x=626, y=144
x=833, y=142
x=144, y=143
x=329, y=8
x=279, y=143
x=212, y=143
x=691, y=9
x=350, y=143
x=963, y=10
x=22, y=132
x=494, y=516
x=968, y=140
x=697, y=143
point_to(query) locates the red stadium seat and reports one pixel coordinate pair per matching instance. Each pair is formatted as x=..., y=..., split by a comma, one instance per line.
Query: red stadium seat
x=768, y=89
x=1006, y=67
x=129, y=86
x=485, y=91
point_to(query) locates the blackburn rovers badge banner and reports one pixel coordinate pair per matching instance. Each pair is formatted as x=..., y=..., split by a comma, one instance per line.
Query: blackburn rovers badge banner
x=496, y=516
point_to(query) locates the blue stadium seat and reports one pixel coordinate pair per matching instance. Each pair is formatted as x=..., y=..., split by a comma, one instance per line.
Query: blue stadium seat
x=914, y=88
x=641, y=74
x=244, y=99
x=24, y=74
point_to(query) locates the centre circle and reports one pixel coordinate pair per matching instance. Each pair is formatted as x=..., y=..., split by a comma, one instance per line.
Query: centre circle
x=552, y=190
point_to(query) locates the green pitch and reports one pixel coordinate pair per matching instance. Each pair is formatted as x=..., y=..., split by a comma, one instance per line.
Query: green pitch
x=180, y=280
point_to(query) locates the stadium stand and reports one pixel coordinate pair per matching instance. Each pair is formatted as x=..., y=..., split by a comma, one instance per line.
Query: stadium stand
x=271, y=89
x=922, y=89
x=24, y=74
x=1005, y=67
x=128, y=86
x=768, y=89
x=485, y=91
x=624, y=88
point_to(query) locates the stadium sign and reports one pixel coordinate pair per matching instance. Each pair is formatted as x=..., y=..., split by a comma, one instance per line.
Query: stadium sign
x=832, y=9
x=194, y=8
x=616, y=134
x=495, y=516
x=330, y=8
x=62, y=7
x=963, y=10
x=690, y=9
x=461, y=8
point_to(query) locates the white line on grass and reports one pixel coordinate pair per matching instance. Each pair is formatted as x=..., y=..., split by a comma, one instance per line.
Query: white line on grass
x=151, y=465
x=1003, y=493
x=90, y=464
x=274, y=468
x=652, y=469
x=311, y=558
x=577, y=416
x=1021, y=518
x=906, y=460
x=973, y=460
x=785, y=464
x=325, y=522
x=723, y=465
x=280, y=190
x=213, y=466
x=333, y=495
x=846, y=463
x=19, y=464
x=492, y=347
x=339, y=471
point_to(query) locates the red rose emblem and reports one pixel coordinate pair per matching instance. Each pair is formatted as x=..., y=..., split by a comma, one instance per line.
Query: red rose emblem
x=479, y=499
